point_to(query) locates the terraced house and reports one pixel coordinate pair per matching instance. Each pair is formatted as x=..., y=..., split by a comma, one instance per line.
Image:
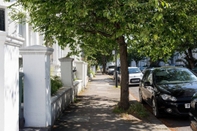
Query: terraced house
x=23, y=50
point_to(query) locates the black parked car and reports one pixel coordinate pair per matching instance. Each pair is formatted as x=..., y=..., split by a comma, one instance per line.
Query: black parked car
x=168, y=90
x=193, y=112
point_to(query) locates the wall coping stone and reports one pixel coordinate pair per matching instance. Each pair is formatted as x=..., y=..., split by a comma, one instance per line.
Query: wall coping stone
x=36, y=49
x=59, y=93
x=64, y=59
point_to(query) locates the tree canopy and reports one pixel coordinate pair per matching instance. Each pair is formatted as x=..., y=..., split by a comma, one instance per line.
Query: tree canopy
x=167, y=27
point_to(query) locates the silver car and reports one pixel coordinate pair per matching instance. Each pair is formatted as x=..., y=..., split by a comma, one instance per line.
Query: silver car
x=110, y=70
x=135, y=75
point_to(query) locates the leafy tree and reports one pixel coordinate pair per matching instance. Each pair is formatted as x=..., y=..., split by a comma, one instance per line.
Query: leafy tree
x=186, y=22
x=187, y=58
x=98, y=52
x=157, y=27
x=70, y=22
x=170, y=27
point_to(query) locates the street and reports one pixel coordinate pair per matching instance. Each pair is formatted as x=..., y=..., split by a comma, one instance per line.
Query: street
x=173, y=123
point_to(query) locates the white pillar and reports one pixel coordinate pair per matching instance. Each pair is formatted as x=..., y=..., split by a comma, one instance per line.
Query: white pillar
x=37, y=39
x=80, y=66
x=85, y=73
x=37, y=86
x=67, y=71
x=9, y=82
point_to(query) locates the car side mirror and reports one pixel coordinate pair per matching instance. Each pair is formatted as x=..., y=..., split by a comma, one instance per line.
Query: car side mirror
x=147, y=83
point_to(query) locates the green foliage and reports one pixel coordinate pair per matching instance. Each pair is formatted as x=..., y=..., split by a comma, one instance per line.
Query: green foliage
x=188, y=59
x=136, y=109
x=118, y=110
x=156, y=28
x=56, y=83
x=170, y=26
x=134, y=55
x=93, y=73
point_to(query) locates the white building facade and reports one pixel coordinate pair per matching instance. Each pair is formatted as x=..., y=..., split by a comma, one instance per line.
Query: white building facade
x=13, y=37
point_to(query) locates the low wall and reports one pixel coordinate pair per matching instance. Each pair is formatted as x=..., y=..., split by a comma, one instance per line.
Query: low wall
x=78, y=86
x=63, y=98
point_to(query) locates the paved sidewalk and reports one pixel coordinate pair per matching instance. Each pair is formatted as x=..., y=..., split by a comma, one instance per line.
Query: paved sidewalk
x=93, y=111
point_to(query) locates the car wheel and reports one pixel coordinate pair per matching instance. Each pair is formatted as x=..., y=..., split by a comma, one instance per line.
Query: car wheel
x=140, y=97
x=155, y=108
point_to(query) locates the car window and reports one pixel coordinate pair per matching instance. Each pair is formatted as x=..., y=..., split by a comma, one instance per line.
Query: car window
x=118, y=69
x=145, y=76
x=134, y=70
x=150, y=78
x=111, y=67
x=173, y=75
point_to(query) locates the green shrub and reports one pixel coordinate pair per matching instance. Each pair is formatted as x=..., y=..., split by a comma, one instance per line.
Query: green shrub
x=118, y=110
x=56, y=83
x=91, y=72
x=136, y=109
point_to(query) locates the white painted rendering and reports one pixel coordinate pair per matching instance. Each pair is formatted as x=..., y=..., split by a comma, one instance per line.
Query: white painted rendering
x=82, y=72
x=37, y=88
x=2, y=80
x=9, y=82
x=67, y=71
x=37, y=72
x=85, y=75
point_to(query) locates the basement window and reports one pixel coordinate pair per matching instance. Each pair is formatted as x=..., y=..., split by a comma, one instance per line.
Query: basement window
x=2, y=19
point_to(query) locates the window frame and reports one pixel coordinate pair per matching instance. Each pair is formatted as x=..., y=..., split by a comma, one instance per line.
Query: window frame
x=2, y=19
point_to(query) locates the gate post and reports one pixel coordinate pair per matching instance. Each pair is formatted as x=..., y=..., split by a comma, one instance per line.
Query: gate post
x=67, y=71
x=9, y=82
x=37, y=86
x=82, y=72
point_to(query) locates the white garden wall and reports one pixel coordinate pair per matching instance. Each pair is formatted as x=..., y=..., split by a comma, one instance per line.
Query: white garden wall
x=61, y=100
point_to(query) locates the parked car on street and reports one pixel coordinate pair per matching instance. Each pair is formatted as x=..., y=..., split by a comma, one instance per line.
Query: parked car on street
x=135, y=75
x=193, y=112
x=110, y=70
x=142, y=68
x=118, y=73
x=195, y=70
x=168, y=90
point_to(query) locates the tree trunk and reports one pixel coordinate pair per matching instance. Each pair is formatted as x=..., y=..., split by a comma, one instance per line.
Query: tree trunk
x=104, y=64
x=137, y=63
x=190, y=59
x=124, y=95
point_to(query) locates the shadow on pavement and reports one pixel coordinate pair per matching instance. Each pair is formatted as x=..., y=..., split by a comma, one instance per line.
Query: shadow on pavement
x=93, y=111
